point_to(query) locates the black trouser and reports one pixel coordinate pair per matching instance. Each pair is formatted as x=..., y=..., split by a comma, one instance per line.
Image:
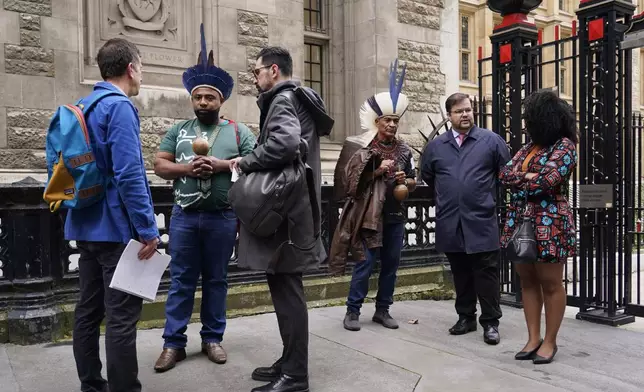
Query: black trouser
x=477, y=275
x=96, y=266
x=287, y=293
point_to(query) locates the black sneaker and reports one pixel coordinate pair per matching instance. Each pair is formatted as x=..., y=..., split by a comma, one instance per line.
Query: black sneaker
x=352, y=321
x=383, y=317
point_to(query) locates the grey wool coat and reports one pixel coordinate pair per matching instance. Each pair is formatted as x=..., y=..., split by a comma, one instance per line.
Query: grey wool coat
x=297, y=245
x=465, y=181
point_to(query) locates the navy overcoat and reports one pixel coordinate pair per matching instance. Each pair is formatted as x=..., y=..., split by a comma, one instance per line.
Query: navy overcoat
x=465, y=180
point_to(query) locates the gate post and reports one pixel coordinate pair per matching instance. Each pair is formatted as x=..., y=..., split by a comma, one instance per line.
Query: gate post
x=605, y=75
x=514, y=76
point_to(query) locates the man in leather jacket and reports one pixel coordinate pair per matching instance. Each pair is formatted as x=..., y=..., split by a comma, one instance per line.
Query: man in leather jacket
x=284, y=122
x=373, y=218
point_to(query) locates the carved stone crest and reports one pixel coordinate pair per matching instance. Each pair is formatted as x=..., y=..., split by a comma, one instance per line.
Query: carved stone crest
x=146, y=15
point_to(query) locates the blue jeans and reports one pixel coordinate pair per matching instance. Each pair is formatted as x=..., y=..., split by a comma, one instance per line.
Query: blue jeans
x=392, y=242
x=200, y=242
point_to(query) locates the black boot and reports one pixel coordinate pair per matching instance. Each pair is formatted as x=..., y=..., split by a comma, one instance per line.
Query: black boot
x=463, y=326
x=383, y=317
x=285, y=384
x=351, y=321
x=267, y=374
x=491, y=335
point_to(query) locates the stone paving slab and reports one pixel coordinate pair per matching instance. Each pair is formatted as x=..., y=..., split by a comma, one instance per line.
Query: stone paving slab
x=416, y=357
x=7, y=379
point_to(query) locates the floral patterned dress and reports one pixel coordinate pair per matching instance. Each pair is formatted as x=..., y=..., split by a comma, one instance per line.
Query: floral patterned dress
x=547, y=197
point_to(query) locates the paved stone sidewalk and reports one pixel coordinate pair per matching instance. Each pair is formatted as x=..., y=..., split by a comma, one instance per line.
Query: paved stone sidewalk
x=416, y=357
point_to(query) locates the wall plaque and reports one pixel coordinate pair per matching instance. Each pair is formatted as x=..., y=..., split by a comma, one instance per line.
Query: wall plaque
x=146, y=22
x=596, y=196
x=165, y=31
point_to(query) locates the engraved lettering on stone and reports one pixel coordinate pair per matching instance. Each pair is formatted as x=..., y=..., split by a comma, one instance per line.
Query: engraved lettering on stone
x=146, y=15
x=165, y=59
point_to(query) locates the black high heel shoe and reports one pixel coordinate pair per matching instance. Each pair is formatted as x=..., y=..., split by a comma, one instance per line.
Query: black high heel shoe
x=539, y=360
x=526, y=355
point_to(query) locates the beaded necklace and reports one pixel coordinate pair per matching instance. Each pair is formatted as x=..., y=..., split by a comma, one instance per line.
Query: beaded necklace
x=386, y=151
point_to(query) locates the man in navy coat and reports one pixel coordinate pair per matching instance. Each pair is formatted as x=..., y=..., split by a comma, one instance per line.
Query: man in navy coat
x=462, y=166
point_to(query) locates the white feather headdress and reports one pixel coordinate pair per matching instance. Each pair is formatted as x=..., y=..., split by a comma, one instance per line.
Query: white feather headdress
x=391, y=103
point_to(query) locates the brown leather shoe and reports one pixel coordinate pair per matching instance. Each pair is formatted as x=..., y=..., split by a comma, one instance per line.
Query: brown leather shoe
x=215, y=352
x=169, y=358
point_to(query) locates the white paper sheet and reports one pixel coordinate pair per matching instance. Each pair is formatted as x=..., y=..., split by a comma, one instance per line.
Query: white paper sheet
x=139, y=277
x=235, y=176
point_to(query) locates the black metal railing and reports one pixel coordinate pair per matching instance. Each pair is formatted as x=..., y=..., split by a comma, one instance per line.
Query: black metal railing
x=632, y=273
x=35, y=259
x=539, y=65
x=591, y=71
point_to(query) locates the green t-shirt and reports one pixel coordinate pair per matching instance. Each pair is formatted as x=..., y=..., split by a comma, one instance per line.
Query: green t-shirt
x=210, y=194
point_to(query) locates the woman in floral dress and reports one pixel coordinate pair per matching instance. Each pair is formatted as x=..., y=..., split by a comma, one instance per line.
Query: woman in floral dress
x=542, y=168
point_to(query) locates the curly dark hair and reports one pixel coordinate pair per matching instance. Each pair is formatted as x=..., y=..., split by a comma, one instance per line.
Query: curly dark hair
x=549, y=118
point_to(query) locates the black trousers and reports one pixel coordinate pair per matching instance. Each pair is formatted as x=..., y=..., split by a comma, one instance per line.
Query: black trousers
x=287, y=293
x=477, y=275
x=122, y=311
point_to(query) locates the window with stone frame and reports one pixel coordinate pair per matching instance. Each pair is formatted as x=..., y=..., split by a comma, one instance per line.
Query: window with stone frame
x=315, y=16
x=314, y=60
x=564, y=5
x=564, y=81
x=466, y=57
x=316, y=46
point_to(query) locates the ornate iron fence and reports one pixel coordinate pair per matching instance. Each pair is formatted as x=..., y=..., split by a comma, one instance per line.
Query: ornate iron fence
x=594, y=74
x=38, y=267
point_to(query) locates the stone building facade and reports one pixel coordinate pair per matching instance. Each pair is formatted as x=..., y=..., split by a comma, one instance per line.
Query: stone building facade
x=555, y=20
x=342, y=48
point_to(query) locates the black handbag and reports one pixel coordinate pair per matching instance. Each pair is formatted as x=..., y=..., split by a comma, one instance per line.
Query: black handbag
x=263, y=199
x=522, y=247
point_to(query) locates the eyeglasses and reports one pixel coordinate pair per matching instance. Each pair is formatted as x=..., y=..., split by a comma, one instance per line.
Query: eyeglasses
x=460, y=112
x=256, y=71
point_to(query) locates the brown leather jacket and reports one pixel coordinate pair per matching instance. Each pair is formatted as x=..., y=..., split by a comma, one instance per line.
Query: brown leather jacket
x=361, y=218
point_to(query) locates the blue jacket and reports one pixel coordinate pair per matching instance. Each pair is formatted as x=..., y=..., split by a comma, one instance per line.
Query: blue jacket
x=126, y=211
x=464, y=180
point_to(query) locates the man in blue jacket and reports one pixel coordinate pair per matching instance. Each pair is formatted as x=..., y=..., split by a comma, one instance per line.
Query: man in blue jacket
x=462, y=166
x=102, y=230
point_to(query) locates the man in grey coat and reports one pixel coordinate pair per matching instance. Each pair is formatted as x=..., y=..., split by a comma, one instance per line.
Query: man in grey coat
x=285, y=121
x=462, y=166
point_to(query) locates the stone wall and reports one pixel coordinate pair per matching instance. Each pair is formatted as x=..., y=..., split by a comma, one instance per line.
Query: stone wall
x=48, y=49
x=28, y=68
x=425, y=82
x=25, y=138
x=252, y=33
x=422, y=13
x=428, y=46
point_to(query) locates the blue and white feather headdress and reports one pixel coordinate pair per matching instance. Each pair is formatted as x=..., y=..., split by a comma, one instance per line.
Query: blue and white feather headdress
x=391, y=103
x=206, y=74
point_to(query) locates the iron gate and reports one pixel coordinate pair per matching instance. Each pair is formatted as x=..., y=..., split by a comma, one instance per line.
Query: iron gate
x=591, y=71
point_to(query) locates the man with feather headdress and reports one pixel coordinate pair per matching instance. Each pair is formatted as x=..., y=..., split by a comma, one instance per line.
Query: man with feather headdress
x=196, y=155
x=374, y=174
